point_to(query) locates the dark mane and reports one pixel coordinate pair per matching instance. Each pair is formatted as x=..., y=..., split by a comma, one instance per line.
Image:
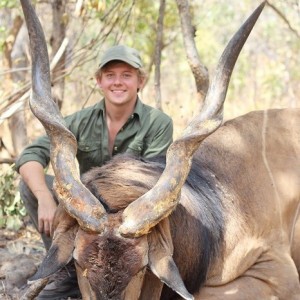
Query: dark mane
x=122, y=180
x=125, y=178
x=200, y=208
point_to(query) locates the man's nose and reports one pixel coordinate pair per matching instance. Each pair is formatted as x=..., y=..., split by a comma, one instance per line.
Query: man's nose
x=118, y=80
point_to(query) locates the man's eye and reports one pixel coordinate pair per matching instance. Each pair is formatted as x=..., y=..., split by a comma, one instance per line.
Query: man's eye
x=126, y=75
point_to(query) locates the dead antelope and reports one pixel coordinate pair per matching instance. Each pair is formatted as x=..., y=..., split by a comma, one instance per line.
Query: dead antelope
x=217, y=220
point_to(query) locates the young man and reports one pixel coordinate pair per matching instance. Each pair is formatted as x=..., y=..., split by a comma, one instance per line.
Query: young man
x=119, y=123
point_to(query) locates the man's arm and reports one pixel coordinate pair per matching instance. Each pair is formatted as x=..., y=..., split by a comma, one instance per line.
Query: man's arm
x=32, y=173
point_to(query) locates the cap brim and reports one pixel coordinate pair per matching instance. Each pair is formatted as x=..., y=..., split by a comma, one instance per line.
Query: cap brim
x=129, y=62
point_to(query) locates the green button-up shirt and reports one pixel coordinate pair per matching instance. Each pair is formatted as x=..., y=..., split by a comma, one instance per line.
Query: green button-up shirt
x=148, y=132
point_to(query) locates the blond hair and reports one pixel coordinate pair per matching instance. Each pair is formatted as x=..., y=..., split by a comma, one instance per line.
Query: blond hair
x=141, y=73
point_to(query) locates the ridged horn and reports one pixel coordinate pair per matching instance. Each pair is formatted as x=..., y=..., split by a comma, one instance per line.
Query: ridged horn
x=144, y=213
x=75, y=197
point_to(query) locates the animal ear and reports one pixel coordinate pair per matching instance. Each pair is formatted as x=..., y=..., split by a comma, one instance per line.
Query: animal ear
x=61, y=250
x=161, y=262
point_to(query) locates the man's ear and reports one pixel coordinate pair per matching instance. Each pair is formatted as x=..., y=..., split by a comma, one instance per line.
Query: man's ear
x=142, y=81
x=98, y=79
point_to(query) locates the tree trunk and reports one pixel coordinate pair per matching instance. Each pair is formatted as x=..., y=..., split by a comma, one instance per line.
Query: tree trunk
x=58, y=34
x=199, y=71
x=16, y=51
x=157, y=55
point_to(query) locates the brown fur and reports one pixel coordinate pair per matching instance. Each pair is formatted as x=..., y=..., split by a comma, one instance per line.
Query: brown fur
x=254, y=160
x=233, y=234
x=116, y=183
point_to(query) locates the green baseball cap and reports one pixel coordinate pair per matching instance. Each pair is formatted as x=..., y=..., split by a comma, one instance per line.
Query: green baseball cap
x=122, y=53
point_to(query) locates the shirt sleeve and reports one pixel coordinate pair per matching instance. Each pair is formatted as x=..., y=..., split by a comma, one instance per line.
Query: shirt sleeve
x=161, y=141
x=38, y=151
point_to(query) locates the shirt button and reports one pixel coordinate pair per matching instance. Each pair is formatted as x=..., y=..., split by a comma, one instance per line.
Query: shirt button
x=132, y=116
x=116, y=148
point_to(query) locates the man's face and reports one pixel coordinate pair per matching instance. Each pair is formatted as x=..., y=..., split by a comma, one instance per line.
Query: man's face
x=119, y=83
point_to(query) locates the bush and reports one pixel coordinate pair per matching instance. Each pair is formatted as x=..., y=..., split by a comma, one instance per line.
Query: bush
x=12, y=209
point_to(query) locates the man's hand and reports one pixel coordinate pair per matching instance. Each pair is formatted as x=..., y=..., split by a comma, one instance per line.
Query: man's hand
x=32, y=173
x=46, y=211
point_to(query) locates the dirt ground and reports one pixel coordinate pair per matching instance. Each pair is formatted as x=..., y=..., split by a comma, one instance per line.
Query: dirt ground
x=20, y=254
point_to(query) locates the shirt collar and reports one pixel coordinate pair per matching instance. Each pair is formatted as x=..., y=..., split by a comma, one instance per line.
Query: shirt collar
x=100, y=105
x=138, y=110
